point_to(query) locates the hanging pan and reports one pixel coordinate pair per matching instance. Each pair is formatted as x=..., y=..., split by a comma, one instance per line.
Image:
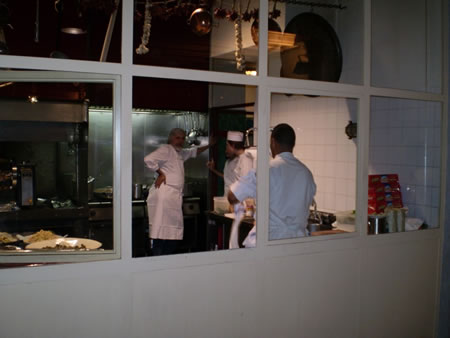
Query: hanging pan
x=316, y=54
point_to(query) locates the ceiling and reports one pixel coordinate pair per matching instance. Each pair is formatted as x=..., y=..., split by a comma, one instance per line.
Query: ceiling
x=32, y=28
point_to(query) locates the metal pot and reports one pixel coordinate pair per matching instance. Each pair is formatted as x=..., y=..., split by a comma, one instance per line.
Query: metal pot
x=137, y=191
x=90, y=187
x=377, y=224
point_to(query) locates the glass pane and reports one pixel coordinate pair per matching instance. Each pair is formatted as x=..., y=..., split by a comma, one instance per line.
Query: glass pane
x=55, y=168
x=202, y=217
x=316, y=41
x=404, y=164
x=213, y=35
x=406, y=45
x=325, y=145
x=61, y=29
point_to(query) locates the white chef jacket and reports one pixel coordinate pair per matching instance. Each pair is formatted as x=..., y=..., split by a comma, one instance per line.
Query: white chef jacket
x=164, y=204
x=229, y=175
x=292, y=190
x=236, y=168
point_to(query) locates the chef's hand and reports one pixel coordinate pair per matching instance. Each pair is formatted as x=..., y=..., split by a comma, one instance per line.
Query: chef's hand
x=210, y=164
x=160, y=180
x=212, y=140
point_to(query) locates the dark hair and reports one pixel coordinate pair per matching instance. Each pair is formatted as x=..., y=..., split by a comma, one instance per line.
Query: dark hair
x=236, y=145
x=284, y=134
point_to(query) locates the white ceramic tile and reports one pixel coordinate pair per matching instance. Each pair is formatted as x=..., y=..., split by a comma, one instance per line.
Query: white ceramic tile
x=331, y=135
x=320, y=199
x=330, y=202
x=350, y=171
x=409, y=194
x=319, y=153
x=341, y=170
x=420, y=195
x=330, y=153
x=309, y=136
x=330, y=185
x=436, y=177
x=434, y=223
x=319, y=136
x=411, y=119
x=330, y=169
x=341, y=186
x=320, y=169
x=340, y=203
x=351, y=188
x=341, y=153
x=350, y=203
x=435, y=197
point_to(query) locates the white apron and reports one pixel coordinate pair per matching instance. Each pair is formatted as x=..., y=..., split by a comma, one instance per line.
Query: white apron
x=165, y=212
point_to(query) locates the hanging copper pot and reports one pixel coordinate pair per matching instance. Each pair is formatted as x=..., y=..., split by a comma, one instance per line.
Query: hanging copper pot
x=200, y=21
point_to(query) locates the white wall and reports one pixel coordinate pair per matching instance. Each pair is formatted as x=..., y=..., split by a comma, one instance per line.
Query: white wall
x=281, y=291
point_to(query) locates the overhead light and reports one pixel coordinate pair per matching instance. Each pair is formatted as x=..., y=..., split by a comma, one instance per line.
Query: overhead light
x=33, y=99
x=251, y=72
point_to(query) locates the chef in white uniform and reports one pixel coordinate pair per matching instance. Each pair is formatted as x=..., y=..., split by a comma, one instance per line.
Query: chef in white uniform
x=238, y=162
x=165, y=196
x=292, y=189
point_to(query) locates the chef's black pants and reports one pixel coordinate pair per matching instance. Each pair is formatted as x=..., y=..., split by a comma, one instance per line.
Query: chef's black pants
x=164, y=247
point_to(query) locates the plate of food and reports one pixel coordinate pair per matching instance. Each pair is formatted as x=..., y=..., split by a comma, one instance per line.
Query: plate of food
x=65, y=243
x=41, y=235
x=6, y=237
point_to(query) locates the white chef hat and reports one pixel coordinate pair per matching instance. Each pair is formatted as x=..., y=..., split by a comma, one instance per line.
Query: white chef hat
x=235, y=136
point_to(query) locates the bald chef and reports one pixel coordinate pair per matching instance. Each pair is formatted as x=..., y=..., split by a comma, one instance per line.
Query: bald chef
x=292, y=189
x=165, y=197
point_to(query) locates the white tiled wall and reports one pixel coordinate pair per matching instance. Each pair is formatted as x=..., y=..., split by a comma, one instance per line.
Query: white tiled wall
x=322, y=144
x=405, y=137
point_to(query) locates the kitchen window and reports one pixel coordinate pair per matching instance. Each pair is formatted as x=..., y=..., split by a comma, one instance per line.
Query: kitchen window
x=219, y=35
x=76, y=30
x=321, y=41
x=201, y=109
x=404, y=165
x=55, y=170
x=326, y=142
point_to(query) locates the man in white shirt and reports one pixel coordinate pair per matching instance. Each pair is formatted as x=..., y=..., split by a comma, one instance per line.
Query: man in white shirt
x=292, y=189
x=165, y=198
x=238, y=162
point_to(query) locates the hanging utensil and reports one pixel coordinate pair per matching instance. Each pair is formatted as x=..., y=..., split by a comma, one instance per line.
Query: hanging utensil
x=36, y=23
x=200, y=21
x=57, y=53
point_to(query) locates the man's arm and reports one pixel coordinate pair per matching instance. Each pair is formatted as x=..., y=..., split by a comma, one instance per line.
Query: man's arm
x=210, y=165
x=232, y=199
x=244, y=188
x=160, y=179
x=212, y=142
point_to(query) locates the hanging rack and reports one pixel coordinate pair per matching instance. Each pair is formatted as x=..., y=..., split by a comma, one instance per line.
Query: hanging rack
x=313, y=4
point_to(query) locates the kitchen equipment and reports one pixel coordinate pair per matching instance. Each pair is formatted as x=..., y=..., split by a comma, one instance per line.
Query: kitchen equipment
x=26, y=184
x=274, y=30
x=137, y=191
x=200, y=21
x=377, y=224
x=90, y=183
x=221, y=205
x=317, y=53
x=104, y=193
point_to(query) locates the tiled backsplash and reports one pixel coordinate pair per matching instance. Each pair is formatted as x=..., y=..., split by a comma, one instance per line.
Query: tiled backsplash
x=405, y=137
x=322, y=144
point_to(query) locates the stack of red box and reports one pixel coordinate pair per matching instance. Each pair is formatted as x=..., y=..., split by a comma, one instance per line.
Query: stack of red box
x=384, y=191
